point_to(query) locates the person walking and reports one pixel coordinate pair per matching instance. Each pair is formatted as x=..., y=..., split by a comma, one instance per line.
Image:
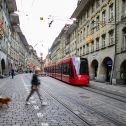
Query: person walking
x=35, y=85
x=12, y=73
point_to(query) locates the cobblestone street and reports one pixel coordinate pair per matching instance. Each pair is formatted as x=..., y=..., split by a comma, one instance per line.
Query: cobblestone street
x=18, y=114
x=51, y=112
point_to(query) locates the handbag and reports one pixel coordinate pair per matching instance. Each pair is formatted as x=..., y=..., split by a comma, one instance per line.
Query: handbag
x=34, y=87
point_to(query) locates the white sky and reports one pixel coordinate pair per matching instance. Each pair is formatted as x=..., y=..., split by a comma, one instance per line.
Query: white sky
x=37, y=31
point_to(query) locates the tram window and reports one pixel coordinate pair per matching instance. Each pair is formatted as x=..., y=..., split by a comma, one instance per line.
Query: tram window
x=59, y=68
x=83, y=66
x=71, y=71
x=56, y=69
x=66, y=69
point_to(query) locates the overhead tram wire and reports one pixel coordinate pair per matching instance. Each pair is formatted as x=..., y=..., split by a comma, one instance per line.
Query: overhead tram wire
x=51, y=19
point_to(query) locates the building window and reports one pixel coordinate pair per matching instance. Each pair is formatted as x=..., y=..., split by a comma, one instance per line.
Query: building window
x=84, y=17
x=124, y=39
x=111, y=37
x=87, y=50
x=81, y=36
x=84, y=33
x=97, y=43
x=88, y=13
x=92, y=8
x=97, y=23
x=92, y=46
x=78, y=38
x=83, y=49
x=75, y=45
x=97, y=3
x=103, y=40
x=87, y=30
x=124, y=7
x=111, y=13
x=92, y=27
x=80, y=51
x=103, y=18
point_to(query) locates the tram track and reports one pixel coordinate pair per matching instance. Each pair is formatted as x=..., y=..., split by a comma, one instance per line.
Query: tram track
x=116, y=122
x=106, y=93
x=86, y=122
x=89, y=108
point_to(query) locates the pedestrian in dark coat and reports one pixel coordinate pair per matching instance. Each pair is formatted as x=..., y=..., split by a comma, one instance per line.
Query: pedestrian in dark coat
x=12, y=73
x=35, y=85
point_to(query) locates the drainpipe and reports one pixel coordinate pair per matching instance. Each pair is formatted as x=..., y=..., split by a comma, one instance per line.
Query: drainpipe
x=114, y=60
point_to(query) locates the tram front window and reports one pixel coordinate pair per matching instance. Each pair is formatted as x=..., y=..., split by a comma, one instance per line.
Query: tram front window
x=81, y=65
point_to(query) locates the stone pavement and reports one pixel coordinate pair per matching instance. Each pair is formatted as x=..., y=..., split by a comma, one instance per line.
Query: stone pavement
x=20, y=115
x=116, y=89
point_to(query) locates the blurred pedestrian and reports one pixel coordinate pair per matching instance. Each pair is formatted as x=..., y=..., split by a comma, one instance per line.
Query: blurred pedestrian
x=12, y=73
x=35, y=86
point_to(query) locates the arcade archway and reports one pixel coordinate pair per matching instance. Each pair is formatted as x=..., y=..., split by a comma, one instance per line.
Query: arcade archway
x=2, y=66
x=94, y=65
x=123, y=71
x=107, y=64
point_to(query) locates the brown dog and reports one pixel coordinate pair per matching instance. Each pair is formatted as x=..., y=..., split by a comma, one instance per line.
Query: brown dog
x=4, y=100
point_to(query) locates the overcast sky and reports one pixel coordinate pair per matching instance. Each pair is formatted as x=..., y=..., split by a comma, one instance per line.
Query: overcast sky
x=36, y=31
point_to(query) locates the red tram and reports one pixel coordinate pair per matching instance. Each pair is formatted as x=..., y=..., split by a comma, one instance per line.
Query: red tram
x=73, y=70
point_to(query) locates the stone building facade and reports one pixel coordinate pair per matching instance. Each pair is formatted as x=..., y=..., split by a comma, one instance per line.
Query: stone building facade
x=14, y=49
x=98, y=35
x=6, y=9
x=119, y=75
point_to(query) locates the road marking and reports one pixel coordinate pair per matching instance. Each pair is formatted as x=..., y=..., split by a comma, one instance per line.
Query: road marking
x=76, y=112
x=40, y=115
x=34, y=102
x=32, y=97
x=44, y=103
x=36, y=107
x=44, y=124
x=121, y=91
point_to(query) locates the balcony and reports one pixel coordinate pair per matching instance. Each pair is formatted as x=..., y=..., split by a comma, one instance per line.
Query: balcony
x=11, y=4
